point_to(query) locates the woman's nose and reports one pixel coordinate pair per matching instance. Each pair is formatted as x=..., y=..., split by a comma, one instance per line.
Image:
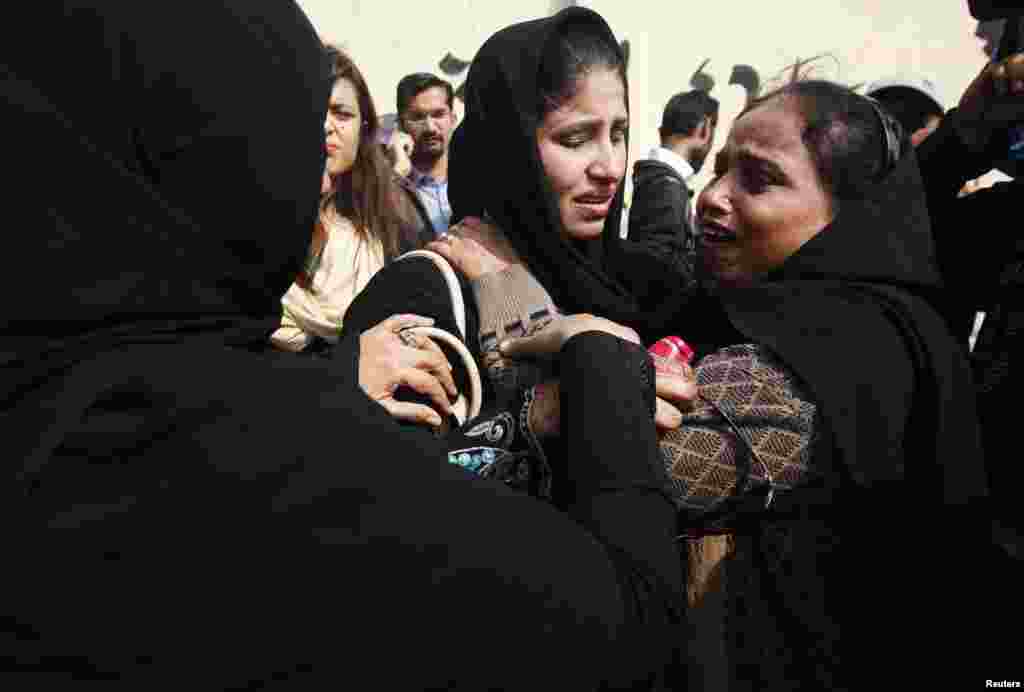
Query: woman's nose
x=714, y=199
x=606, y=163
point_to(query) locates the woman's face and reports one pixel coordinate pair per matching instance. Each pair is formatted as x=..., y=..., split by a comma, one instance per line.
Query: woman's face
x=342, y=128
x=766, y=199
x=583, y=150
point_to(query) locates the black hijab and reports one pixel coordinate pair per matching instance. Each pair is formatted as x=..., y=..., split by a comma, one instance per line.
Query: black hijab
x=873, y=553
x=853, y=313
x=159, y=200
x=495, y=167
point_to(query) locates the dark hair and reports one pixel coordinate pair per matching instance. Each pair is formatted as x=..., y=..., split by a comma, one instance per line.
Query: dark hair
x=685, y=112
x=574, y=53
x=909, y=106
x=367, y=194
x=852, y=143
x=412, y=85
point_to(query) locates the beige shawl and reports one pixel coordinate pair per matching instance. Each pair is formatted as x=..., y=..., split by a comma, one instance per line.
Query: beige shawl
x=344, y=267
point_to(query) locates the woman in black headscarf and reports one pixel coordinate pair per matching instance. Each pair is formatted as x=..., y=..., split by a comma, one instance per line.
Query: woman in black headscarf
x=835, y=438
x=184, y=508
x=536, y=183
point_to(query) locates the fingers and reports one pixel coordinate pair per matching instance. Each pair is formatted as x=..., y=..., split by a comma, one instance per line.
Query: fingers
x=546, y=342
x=443, y=247
x=436, y=363
x=463, y=256
x=428, y=385
x=676, y=390
x=666, y=416
x=397, y=323
x=413, y=413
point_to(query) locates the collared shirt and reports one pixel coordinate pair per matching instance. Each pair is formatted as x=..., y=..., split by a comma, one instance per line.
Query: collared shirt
x=434, y=195
x=673, y=159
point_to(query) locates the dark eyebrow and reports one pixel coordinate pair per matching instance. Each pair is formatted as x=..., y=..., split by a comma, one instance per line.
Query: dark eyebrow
x=768, y=165
x=589, y=125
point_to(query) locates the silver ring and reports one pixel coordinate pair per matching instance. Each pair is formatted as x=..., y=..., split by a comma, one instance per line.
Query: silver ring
x=409, y=338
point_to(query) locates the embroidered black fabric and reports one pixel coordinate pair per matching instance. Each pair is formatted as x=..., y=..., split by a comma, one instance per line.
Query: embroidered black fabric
x=501, y=446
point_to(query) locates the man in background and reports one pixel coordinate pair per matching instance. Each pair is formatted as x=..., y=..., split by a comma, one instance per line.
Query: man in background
x=426, y=113
x=661, y=213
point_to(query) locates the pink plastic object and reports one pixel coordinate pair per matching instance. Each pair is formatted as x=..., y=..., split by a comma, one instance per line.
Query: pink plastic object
x=673, y=349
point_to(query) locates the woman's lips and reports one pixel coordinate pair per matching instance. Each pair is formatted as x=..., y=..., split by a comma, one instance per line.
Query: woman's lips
x=331, y=148
x=595, y=206
x=713, y=233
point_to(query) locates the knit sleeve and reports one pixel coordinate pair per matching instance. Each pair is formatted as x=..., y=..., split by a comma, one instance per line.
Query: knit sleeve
x=510, y=303
x=751, y=432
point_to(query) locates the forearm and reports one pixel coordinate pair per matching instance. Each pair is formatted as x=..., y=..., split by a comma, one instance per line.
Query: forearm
x=510, y=303
x=615, y=483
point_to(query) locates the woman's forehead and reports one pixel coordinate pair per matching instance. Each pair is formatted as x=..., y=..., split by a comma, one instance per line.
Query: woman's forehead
x=344, y=92
x=599, y=93
x=771, y=129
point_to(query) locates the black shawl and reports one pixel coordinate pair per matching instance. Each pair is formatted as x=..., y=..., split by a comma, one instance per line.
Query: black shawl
x=854, y=313
x=159, y=202
x=179, y=502
x=495, y=168
x=871, y=556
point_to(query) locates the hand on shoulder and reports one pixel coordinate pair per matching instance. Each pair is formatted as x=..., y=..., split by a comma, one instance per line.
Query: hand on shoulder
x=476, y=247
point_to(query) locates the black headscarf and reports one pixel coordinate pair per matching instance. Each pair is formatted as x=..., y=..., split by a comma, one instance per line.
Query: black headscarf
x=175, y=212
x=495, y=168
x=854, y=313
x=872, y=556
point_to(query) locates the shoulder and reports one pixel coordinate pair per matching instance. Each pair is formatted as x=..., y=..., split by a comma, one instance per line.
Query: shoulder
x=647, y=169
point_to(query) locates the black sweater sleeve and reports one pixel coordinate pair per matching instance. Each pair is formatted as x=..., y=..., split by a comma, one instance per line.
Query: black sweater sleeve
x=619, y=488
x=657, y=258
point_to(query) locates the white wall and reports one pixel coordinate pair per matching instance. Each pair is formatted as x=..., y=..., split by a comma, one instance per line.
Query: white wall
x=867, y=39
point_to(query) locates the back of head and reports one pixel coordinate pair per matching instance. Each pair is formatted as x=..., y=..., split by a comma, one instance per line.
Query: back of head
x=685, y=111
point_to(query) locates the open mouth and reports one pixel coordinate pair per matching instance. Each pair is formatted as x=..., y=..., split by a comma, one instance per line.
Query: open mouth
x=710, y=232
x=594, y=206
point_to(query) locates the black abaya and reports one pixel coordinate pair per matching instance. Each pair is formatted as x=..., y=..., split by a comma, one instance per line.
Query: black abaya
x=183, y=510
